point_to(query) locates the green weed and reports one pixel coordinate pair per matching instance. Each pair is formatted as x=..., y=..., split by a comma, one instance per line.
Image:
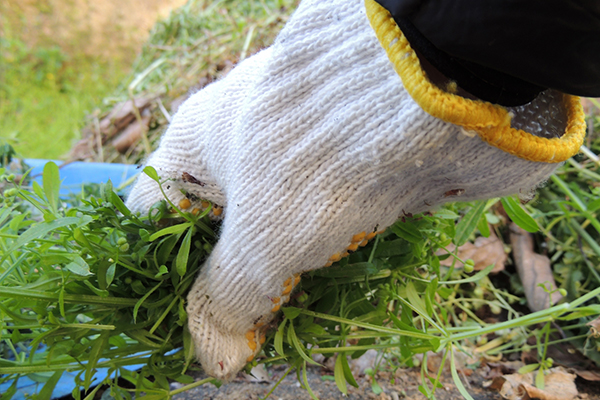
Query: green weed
x=102, y=287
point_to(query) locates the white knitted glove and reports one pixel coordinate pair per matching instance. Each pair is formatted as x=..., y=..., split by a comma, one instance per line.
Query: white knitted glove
x=311, y=147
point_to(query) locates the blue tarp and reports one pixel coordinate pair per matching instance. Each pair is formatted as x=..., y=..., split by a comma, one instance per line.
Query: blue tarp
x=64, y=387
x=73, y=176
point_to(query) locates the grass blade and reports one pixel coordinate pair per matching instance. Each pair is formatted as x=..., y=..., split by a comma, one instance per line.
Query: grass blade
x=298, y=346
x=457, y=381
x=338, y=373
x=51, y=182
x=169, y=231
x=184, y=252
x=518, y=215
x=39, y=231
x=468, y=223
x=278, y=342
x=46, y=392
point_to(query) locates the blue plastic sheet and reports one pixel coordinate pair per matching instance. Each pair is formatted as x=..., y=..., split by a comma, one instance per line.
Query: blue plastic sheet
x=76, y=174
x=73, y=176
x=27, y=386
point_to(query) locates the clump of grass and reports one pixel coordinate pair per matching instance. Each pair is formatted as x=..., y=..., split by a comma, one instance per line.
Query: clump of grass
x=102, y=287
x=97, y=285
x=199, y=39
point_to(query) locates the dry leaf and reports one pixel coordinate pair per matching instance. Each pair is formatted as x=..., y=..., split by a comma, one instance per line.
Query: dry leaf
x=484, y=252
x=594, y=327
x=559, y=385
x=497, y=369
x=588, y=375
x=508, y=385
x=533, y=269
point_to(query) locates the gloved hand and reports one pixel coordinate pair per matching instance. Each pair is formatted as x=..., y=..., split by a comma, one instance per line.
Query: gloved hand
x=312, y=147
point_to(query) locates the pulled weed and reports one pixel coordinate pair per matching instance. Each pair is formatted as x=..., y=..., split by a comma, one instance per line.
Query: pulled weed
x=91, y=285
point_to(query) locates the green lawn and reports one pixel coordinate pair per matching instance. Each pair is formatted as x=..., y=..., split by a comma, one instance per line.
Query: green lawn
x=45, y=96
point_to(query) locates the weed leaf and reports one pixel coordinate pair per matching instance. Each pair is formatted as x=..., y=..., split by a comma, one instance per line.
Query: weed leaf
x=518, y=215
x=151, y=172
x=46, y=392
x=10, y=392
x=188, y=348
x=169, y=231
x=110, y=274
x=141, y=301
x=306, y=384
x=278, y=341
x=468, y=223
x=407, y=231
x=540, y=379
x=483, y=227
x=340, y=379
x=347, y=372
x=375, y=387
x=119, y=205
x=459, y=385
x=528, y=368
x=79, y=267
x=293, y=339
x=444, y=213
x=51, y=182
x=38, y=232
x=594, y=205
x=184, y=253
x=291, y=312
x=97, y=347
x=415, y=300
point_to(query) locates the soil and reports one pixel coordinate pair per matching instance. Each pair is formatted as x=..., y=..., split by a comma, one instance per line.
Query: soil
x=107, y=28
x=405, y=386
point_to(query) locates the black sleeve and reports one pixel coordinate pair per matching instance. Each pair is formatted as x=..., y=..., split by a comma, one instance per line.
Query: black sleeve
x=526, y=44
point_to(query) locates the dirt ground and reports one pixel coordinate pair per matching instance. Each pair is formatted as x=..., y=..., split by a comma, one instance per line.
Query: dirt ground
x=107, y=28
x=405, y=386
x=402, y=385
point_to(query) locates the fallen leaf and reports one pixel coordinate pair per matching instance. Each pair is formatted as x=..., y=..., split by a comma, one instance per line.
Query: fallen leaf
x=484, y=252
x=502, y=368
x=533, y=269
x=559, y=385
x=588, y=375
x=594, y=327
x=508, y=385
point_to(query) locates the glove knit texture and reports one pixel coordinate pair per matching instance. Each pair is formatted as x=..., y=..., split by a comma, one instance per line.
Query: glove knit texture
x=311, y=147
